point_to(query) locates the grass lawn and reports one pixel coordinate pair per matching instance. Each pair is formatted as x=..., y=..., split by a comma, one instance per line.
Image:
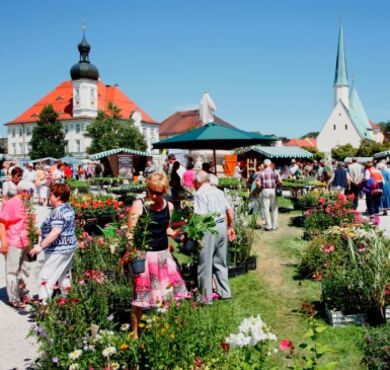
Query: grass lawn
x=272, y=292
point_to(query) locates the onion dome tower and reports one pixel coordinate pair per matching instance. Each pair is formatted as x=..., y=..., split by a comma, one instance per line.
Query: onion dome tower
x=85, y=78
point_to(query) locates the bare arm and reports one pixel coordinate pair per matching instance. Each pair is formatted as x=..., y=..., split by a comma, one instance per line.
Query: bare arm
x=230, y=219
x=50, y=238
x=170, y=231
x=134, y=214
x=3, y=239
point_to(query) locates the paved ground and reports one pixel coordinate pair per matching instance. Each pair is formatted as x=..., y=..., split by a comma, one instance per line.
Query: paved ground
x=16, y=350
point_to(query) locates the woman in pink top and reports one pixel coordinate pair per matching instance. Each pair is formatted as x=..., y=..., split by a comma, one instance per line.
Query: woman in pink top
x=188, y=176
x=14, y=240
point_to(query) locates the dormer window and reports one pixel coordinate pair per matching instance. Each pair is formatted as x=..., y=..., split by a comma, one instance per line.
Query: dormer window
x=334, y=127
x=346, y=127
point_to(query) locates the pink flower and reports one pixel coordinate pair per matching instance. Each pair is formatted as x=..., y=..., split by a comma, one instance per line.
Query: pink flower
x=61, y=301
x=215, y=296
x=81, y=282
x=328, y=248
x=286, y=344
x=376, y=220
x=322, y=201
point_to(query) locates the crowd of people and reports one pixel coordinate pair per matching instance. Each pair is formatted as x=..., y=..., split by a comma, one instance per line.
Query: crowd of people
x=57, y=242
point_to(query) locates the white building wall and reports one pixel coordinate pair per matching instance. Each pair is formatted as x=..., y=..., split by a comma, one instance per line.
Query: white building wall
x=19, y=137
x=338, y=130
x=85, y=98
x=341, y=93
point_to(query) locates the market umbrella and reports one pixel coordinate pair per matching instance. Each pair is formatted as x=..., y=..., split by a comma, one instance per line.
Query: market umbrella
x=213, y=136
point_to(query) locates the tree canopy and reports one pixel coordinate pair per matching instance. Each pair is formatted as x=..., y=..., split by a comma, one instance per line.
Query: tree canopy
x=317, y=155
x=342, y=151
x=312, y=134
x=48, y=138
x=368, y=148
x=109, y=131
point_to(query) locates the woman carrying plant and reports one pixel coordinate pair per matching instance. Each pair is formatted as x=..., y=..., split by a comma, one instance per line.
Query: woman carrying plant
x=58, y=242
x=14, y=241
x=161, y=280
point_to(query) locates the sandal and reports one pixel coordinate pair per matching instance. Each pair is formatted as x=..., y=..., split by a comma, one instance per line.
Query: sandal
x=17, y=304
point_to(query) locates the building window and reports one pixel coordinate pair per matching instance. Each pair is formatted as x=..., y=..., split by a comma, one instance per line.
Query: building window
x=346, y=127
x=77, y=129
x=21, y=148
x=28, y=132
x=334, y=127
x=66, y=129
x=13, y=133
x=20, y=132
x=13, y=148
x=78, y=148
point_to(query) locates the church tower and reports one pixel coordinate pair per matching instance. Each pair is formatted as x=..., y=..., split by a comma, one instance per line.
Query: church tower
x=85, y=81
x=341, y=85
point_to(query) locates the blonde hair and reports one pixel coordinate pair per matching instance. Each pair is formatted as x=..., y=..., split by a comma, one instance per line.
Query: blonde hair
x=158, y=181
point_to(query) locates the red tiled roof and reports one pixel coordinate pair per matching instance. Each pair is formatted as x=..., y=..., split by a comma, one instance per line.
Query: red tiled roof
x=373, y=124
x=307, y=142
x=180, y=122
x=62, y=100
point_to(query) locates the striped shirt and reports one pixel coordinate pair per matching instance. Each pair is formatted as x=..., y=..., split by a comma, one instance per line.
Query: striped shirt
x=63, y=217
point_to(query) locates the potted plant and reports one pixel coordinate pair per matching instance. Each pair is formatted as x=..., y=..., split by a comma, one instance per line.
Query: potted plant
x=32, y=232
x=139, y=241
x=195, y=229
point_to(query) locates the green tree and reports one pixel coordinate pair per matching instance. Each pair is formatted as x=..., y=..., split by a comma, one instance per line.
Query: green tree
x=109, y=131
x=342, y=151
x=317, y=155
x=313, y=134
x=48, y=138
x=368, y=148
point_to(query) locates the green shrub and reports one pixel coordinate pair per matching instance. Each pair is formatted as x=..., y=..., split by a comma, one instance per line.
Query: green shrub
x=376, y=349
x=312, y=260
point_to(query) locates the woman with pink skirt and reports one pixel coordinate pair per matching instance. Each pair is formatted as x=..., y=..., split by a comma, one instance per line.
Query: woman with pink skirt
x=161, y=280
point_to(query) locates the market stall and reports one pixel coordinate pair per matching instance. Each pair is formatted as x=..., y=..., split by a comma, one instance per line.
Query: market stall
x=121, y=162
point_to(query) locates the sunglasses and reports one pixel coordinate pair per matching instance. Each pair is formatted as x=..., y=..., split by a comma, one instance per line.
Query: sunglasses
x=159, y=193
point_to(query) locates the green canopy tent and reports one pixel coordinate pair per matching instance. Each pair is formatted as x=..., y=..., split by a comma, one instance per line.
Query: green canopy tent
x=382, y=155
x=213, y=136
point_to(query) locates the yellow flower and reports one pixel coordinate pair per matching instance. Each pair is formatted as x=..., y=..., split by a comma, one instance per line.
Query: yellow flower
x=123, y=347
x=172, y=336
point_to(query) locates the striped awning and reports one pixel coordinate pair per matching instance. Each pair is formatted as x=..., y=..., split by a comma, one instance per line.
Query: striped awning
x=107, y=153
x=278, y=151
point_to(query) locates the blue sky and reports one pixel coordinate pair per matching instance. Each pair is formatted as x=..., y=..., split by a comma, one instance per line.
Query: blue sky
x=268, y=65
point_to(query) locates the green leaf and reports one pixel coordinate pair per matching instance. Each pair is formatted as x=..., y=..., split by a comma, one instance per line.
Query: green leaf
x=327, y=366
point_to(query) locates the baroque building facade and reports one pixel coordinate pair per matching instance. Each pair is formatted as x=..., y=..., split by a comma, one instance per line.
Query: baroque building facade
x=77, y=101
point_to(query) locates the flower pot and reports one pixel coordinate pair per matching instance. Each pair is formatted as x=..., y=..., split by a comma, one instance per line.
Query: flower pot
x=251, y=263
x=238, y=270
x=138, y=266
x=31, y=259
x=189, y=246
x=337, y=318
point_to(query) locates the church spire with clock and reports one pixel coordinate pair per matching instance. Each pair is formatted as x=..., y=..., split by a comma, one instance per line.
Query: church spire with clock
x=85, y=83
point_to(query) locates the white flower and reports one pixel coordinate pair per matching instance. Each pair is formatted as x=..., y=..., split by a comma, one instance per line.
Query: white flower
x=114, y=366
x=73, y=367
x=112, y=248
x=162, y=309
x=107, y=352
x=125, y=327
x=238, y=340
x=75, y=354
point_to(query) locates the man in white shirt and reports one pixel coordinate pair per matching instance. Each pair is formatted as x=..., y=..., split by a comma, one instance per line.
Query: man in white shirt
x=213, y=255
x=356, y=175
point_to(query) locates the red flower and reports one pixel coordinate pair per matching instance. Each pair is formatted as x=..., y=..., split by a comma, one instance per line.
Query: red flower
x=341, y=198
x=61, y=301
x=322, y=201
x=328, y=248
x=225, y=346
x=198, y=361
x=286, y=344
x=178, y=224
